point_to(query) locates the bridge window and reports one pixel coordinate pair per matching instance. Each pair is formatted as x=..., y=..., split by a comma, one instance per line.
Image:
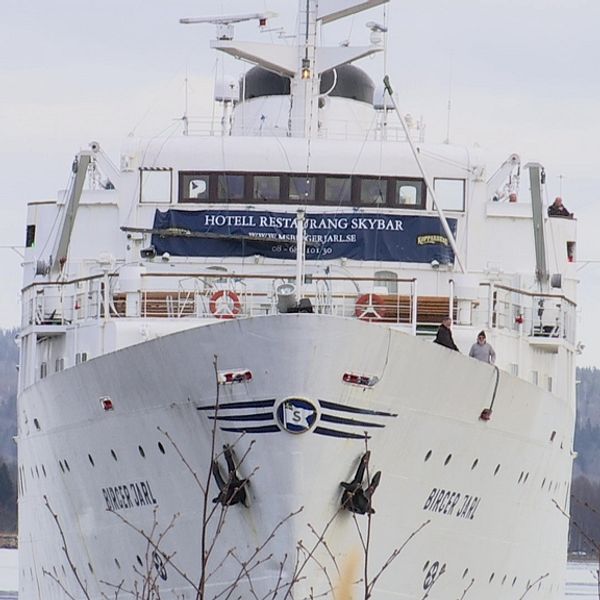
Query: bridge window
x=373, y=192
x=230, y=188
x=267, y=188
x=303, y=189
x=409, y=194
x=337, y=190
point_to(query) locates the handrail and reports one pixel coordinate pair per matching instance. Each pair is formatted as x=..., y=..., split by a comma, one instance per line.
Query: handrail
x=69, y=282
x=229, y=275
x=508, y=288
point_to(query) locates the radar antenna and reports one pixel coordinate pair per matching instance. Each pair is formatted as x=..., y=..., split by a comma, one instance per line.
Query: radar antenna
x=225, y=23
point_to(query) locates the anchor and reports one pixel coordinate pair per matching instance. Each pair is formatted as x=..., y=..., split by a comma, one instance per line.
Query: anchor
x=355, y=498
x=232, y=488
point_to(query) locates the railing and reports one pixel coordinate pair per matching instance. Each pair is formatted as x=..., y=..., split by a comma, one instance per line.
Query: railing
x=224, y=295
x=533, y=314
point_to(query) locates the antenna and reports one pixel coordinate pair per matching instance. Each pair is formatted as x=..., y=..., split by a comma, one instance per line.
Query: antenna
x=447, y=140
x=225, y=23
x=185, y=120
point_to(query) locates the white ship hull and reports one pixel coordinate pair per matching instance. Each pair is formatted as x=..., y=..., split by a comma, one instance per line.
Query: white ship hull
x=475, y=506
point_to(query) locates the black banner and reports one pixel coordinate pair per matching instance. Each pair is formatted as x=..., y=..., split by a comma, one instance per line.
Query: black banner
x=356, y=235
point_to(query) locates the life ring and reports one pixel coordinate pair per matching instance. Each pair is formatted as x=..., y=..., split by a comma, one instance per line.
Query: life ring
x=228, y=308
x=367, y=307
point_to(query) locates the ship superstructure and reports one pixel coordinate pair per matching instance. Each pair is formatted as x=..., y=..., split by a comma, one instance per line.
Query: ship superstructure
x=246, y=315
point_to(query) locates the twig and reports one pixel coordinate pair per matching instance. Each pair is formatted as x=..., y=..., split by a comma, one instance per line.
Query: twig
x=532, y=585
x=393, y=557
x=72, y=566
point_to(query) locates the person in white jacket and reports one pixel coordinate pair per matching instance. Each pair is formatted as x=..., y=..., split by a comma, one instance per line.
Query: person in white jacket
x=481, y=350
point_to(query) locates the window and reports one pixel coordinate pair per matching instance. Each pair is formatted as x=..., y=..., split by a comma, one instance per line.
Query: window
x=155, y=185
x=382, y=278
x=373, y=192
x=230, y=188
x=303, y=189
x=194, y=188
x=59, y=365
x=337, y=190
x=30, y=236
x=43, y=370
x=408, y=194
x=266, y=188
x=450, y=193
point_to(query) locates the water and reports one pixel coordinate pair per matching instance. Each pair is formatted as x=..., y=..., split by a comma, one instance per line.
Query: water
x=581, y=580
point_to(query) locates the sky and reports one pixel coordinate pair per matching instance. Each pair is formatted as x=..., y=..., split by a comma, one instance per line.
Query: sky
x=522, y=77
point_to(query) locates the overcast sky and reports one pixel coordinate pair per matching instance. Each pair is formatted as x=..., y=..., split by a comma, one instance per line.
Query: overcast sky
x=524, y=78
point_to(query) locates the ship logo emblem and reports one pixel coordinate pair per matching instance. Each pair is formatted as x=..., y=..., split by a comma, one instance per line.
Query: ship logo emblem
x=296, y=415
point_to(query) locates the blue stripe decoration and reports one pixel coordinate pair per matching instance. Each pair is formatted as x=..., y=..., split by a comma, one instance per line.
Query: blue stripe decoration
x=355, y=409
x=246, y=417
x=345, y=421
x=247, y=404
x=259, y=429
x=340, y=434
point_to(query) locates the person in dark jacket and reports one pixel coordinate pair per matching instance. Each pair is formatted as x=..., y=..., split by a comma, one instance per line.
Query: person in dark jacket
x=558, y=209
x=444, y=334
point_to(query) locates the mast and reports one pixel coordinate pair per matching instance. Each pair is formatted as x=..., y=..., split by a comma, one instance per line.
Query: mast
x=303, y=63
x=304, y=84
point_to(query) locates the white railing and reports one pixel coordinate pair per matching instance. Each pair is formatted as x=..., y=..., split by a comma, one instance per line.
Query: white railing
x=225, y=295
x=532, y=314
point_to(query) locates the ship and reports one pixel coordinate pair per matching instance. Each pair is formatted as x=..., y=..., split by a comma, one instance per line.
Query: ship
x=229, y=385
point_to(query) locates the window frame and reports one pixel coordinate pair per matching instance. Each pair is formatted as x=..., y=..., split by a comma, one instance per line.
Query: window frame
x=464, y=198
x=392, y=183
x=142, y=170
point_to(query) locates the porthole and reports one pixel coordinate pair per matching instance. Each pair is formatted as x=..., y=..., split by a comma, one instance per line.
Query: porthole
x=91, y=460
x=475, y=463
x=503, y=580
x=425, y=566
x=113, y=454
x=496, y=470
x=117, y=563
x=67, y=465
x=465, y=572
x=448, y=459
x=514, y=581
x=141, y=451
x=37, y=424
x=428, y=455
x=520, y=477
x=552, y=436
x=32, y=475
x=37, y=471
x=44, y=471
x=528, y=584
x=90, y=568
x=55, y=571
x=61, y=466
x=491, y=578
x=543, y=483
x=139, y=560
x=526, y=477
x=161, y=447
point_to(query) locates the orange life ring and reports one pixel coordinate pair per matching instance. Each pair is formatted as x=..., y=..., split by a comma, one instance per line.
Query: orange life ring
x=227, y=309
x=366, y=307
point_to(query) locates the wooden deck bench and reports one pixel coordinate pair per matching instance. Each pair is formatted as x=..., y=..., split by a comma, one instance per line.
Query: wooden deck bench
x=392, y=308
